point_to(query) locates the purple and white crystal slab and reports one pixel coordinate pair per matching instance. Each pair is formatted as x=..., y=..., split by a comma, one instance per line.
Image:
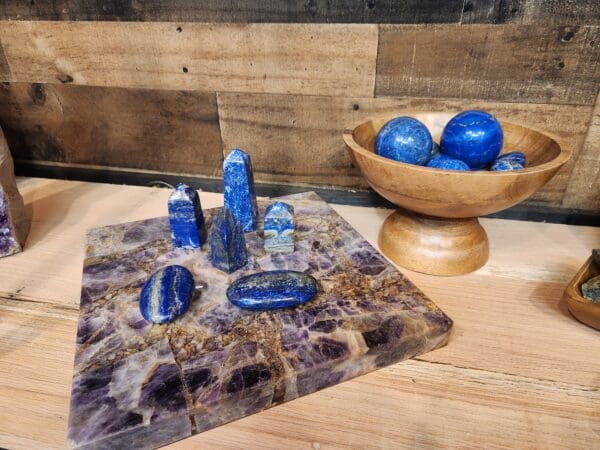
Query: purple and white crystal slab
x=139, y=385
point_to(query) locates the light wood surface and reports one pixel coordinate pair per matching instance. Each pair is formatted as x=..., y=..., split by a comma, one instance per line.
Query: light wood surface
x=518, y=371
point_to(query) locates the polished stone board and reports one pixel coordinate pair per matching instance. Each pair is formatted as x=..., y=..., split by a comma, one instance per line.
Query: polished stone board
x=139, y=385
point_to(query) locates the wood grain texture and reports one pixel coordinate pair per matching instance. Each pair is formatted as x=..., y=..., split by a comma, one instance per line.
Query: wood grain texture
x=583, y=190
x=299, y=138
x=135, y=128
x=312, y=11
x=279, y=58
x=525, y=63
x=516, y=361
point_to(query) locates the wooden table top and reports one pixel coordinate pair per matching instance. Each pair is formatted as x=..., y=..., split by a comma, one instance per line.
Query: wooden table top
x=518, y=371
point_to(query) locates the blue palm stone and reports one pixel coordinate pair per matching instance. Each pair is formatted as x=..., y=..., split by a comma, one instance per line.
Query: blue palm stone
x=446, y=163
x=474, y=137
x=167, y=294
x=404, y=139
x=227, y=242
x=238, y=181
x=272, y=290
x=279, y=228
x=518, y=157
x=504, y=165
x=188, y=229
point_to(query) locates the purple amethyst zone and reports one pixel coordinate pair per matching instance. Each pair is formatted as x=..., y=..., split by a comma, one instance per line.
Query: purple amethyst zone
x=143, y=385
x=8, y=242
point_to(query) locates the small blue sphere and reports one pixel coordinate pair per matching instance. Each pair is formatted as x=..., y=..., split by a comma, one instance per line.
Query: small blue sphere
x=518, y=157
x=501, y=165
x=446, y=163
x=474, y=137
x=404, y=139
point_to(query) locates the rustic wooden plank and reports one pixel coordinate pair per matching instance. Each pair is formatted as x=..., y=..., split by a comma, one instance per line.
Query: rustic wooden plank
x=557, y=12
x=297, y=139
x=136, y=128
x=583, y=190
x=279, y=58
x=525, y=63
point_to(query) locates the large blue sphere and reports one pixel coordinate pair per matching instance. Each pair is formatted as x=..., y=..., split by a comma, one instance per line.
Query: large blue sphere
x=474, y=137
x=404, y=139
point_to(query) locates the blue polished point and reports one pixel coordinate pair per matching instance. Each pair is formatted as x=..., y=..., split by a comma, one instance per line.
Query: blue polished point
x=446, y=163
x=279, y=228
x=502, y=165
x=167, y=294
x=518, y=157
x=188, y=229
x=227, y=242
x=238, y=181
x=404, y=139
x=272, y=290
x=435, y=150
x=474, y=137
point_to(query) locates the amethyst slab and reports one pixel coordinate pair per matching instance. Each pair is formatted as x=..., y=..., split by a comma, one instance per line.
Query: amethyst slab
x=143, y=385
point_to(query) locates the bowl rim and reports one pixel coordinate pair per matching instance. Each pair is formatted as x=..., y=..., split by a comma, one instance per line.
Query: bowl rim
x=563, y=156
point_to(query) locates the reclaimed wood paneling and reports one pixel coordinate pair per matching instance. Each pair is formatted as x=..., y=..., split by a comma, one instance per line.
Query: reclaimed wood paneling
x=298, y=138
x=135, y=128
x=313, y=11
x=583, y=190
x=277, y=58
x=520, y=63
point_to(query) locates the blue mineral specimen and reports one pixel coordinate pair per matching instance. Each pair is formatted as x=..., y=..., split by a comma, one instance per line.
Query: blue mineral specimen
x=446, y=163
x=518, y=157
x=279, y=228
x=435, y=149
x=167, y=294
x=272, y=290
x=238, y=182
x=188, y=229
x=404, y=139
x=227, y=242
x=474, y=137
x=502, y=165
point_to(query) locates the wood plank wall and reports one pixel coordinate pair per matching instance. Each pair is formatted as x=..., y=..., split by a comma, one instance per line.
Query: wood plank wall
x=172, y=86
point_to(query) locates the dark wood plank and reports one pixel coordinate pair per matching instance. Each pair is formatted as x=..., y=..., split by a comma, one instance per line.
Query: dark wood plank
x=509, y=63
x=296, y=139
x=559, y=12
x=136, y=128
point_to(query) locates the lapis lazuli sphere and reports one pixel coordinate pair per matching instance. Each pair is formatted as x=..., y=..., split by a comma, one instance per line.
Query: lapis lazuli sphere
x=404, y=139
x=518, y=157
x=474, y=137
x=167, y=294
x=502, y=165
x=446, y=163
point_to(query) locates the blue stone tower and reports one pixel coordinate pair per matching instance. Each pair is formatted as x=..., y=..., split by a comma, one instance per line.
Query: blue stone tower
x=279, y=228
x=227, y=242
x=238, y=181
x=188, y=229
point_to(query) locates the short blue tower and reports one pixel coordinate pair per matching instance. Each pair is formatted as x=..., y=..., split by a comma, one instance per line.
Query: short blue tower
x=227, y=242
x=279, y=228
x=188, y=229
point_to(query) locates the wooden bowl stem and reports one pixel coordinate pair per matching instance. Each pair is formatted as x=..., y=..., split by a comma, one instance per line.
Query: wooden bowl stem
x=433, y=245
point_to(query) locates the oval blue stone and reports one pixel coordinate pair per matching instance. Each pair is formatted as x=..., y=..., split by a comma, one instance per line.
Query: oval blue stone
x=272, y=290
x=446, y=163
x=518, y=157
x=502, y=165
x=167, y=294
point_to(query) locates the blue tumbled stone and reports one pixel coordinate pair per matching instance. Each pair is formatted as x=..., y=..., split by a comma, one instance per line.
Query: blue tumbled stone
x=446, y=163
x=279, y=228
x=272, y=290
x=435, y=150
x=505, y=165
x=188, y=229
x=404, y=139
x=227, y=242
x=238, y=181
x=518, y=157
x=167, y=294
x=474, y=137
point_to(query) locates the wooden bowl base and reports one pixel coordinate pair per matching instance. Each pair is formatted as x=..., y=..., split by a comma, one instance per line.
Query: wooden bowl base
x=435, y=246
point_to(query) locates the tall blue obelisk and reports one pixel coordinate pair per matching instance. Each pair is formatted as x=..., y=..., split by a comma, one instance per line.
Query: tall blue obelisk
x=238, y=181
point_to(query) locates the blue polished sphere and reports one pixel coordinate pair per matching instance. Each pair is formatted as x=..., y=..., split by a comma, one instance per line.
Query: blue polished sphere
x=518, y=157
x=446, y=163
x=404, y=139
x=474, y=137
x=501, y=165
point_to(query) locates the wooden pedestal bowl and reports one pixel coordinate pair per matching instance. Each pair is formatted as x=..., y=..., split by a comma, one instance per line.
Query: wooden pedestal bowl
x=435, y=228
